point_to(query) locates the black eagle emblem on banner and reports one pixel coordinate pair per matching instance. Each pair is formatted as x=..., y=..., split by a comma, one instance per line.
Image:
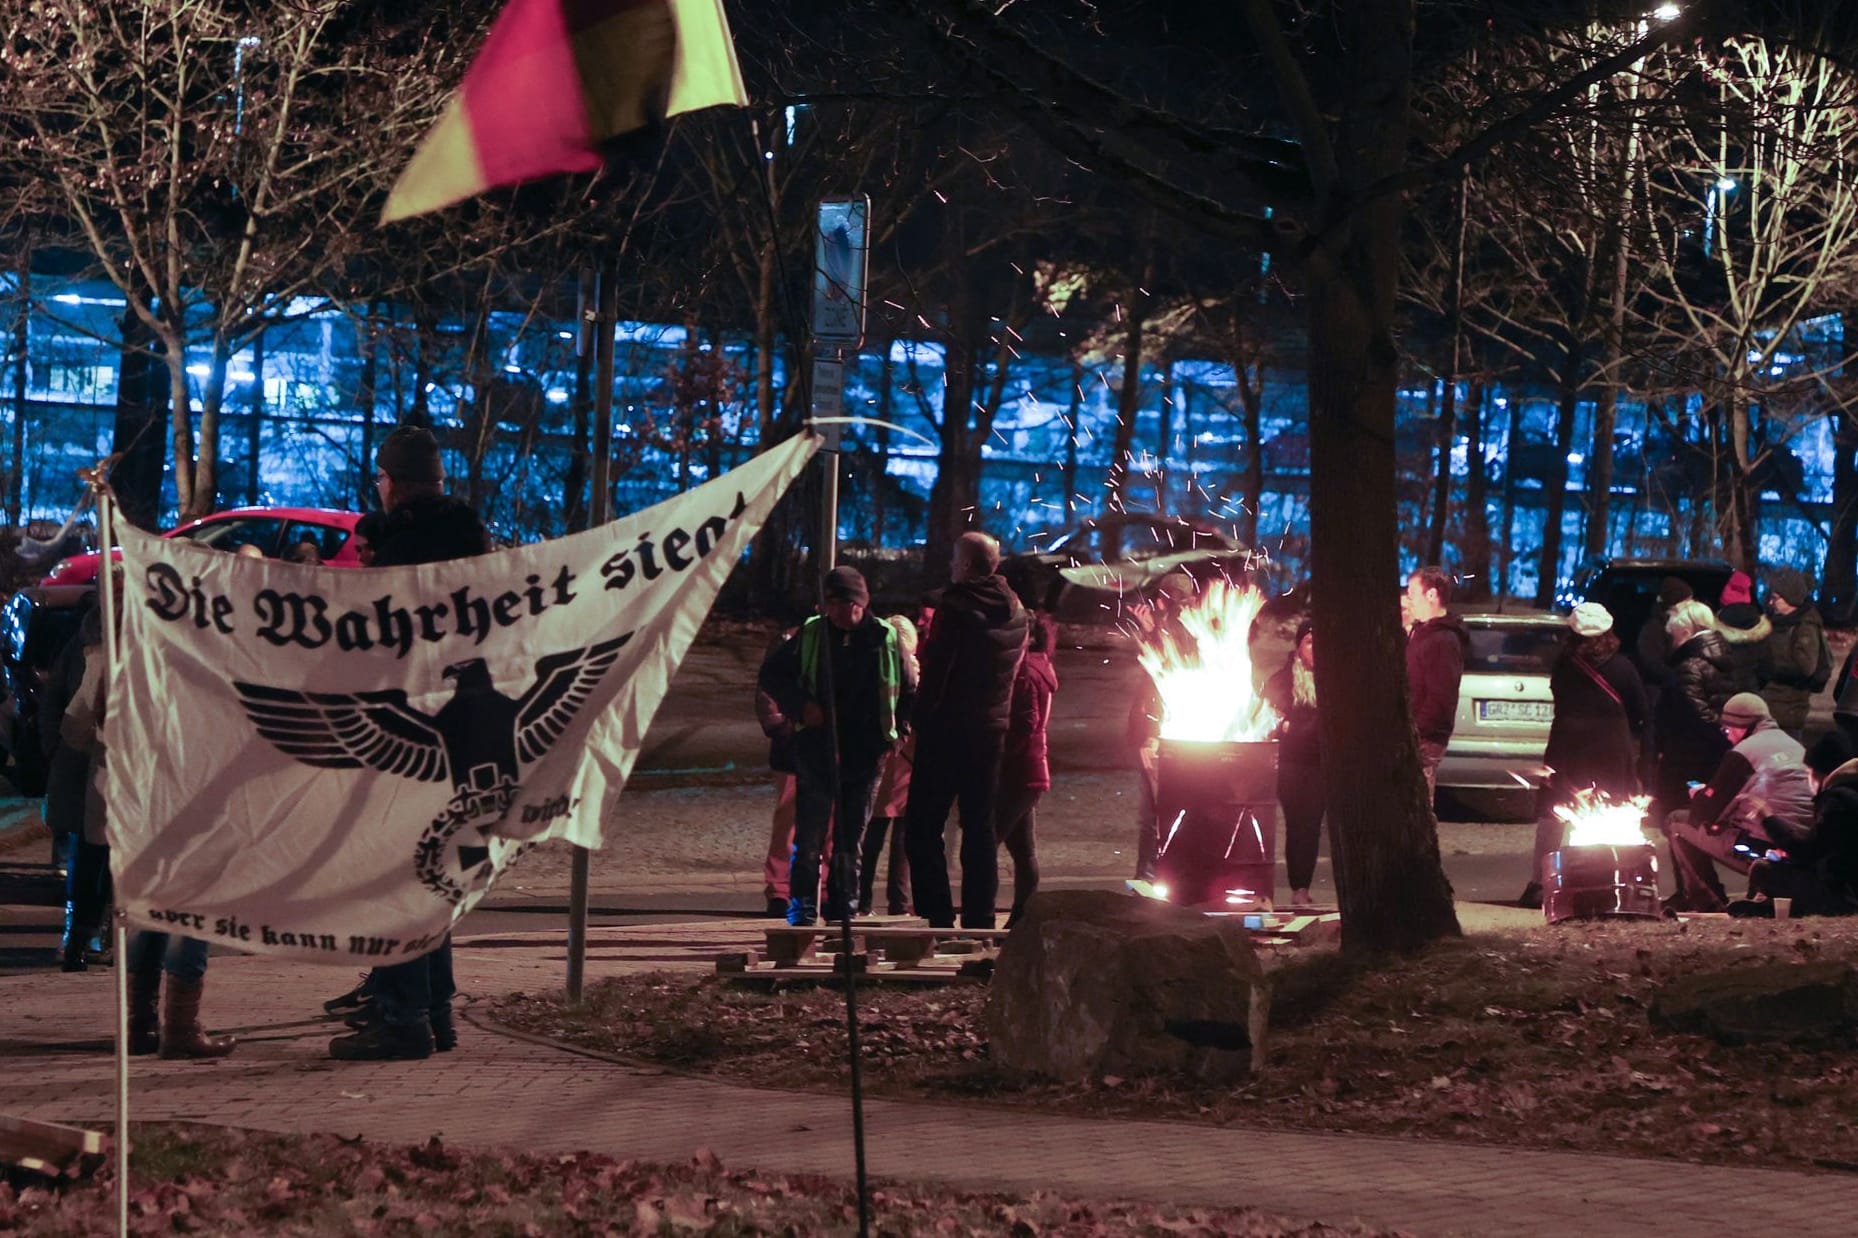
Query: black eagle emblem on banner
x=480, y=741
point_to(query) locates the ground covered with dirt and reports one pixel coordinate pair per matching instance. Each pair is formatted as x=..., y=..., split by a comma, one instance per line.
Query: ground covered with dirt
x=1539, y=1038
x=210, y=1181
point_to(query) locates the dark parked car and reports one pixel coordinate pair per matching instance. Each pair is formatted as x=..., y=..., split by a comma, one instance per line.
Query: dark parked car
x=1087, y=571
x=35, y=625
x=1628, y=588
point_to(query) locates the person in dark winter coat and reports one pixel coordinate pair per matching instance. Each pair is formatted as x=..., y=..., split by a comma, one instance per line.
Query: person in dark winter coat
x=1652, y=649
x=1292, y=693
x=1687, y=720
x=1746, y=630
x=963, y=706
x=1147, y=622
x=1819, y=872
x=779, y=730
x=68, y=792
x=1435, y=652
x=1759, y=796
x=411, y=1012
x=1025, y=773
x=855, y=656
x=1845, y=698
x=1600, y=721
x=1800, y=663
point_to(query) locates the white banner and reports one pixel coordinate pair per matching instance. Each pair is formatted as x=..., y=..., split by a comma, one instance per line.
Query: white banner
x=335, y=765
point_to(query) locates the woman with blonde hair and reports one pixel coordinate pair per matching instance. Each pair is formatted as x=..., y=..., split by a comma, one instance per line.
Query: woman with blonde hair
x=1687, y=725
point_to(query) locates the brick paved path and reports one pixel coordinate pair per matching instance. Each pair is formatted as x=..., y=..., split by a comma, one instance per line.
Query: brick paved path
x=496, y=1091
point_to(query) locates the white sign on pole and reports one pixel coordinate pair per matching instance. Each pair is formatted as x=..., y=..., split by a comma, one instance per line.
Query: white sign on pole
x=840, y=256
x=828, y=397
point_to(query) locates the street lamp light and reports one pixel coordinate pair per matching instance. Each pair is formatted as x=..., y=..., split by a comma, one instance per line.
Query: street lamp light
x=1667, y=12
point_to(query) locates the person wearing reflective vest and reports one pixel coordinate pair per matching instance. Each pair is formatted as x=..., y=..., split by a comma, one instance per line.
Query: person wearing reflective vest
x=872, y=690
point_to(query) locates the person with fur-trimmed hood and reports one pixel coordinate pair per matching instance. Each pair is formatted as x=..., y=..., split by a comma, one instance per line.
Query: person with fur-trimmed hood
x=1746, y=630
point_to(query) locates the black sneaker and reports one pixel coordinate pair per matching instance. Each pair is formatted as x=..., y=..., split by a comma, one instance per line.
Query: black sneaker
x=351, y=1000
x=368, y=1015
x=1531, y=897
x=384, y=1042
x=776, y=909
x=1752, y=909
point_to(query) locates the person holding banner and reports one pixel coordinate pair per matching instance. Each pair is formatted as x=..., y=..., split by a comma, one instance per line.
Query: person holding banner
x=969, y=660
x=412, y=1006
x=872, y=687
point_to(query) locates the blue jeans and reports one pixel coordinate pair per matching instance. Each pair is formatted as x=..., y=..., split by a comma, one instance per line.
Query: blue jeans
x=184, y=958
x=408, y=992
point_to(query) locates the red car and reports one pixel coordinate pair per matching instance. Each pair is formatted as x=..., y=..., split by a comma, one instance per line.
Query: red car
x=274, y=530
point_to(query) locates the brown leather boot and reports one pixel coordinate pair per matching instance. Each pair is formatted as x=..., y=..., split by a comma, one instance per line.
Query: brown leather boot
x=181, y=1033
x=144, y=1012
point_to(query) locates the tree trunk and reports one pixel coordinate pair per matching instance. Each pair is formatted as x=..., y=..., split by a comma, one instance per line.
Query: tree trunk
x=955, y=494
x=880, y=487
x=1128, y=409
x=367, y=387
x=254, y=439
x=141, y=424
x=1839, y=588
x=1448, y=429
x=180, y=404
x=1164, y=437
x=22, y=345
x=575, y=511
x=1506, y=544
x=1474, y=554
x=1251, y=403
x=1070, y=443
x=1555, y=485
x=1393, y=890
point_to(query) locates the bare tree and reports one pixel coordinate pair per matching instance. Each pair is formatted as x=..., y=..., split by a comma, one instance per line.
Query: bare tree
x=1756, y=232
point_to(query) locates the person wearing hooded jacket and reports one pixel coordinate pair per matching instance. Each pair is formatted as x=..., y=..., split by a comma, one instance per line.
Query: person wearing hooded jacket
x=1746, y=631
x=410, y=1014
x=963, y=706
x=1435, y=652
x=1687, y=720
x=1601, y=718
x=1799, y=660
x=1759, y=796
x=1025, y=773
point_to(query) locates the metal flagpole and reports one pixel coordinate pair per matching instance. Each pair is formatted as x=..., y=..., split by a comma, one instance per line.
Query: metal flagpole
x=119, y=936
x=606, y=317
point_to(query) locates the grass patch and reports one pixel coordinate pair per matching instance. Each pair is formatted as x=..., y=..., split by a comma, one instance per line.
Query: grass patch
x=1538, y=1039
x=212, y=1181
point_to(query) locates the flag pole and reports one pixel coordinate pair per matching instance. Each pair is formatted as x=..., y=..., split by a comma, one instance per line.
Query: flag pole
x=605, y=317
x=119, y=936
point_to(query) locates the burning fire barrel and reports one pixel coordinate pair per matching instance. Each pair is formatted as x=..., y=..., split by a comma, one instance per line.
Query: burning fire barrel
x=1607, y=867
x=1216, y=809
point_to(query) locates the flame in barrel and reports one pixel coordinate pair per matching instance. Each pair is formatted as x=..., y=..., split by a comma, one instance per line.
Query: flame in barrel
x=1205, y=680
x=1595, y=819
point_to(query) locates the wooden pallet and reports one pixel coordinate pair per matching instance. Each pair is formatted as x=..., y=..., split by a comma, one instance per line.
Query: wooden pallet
x=745, y=968
x=47, y=1148
x=898, y=943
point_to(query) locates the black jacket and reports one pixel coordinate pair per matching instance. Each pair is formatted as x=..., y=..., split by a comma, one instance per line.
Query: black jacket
x=970, y=657
x=1688, y=722
x=858, y=690
x=1746, y=630
x=1600, y=715
x=1434, y=665
x=1795, y=652
x=430, y=529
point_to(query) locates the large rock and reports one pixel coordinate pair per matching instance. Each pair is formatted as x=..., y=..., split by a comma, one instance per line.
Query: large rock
x=1092, y=983
x=1792, y=1002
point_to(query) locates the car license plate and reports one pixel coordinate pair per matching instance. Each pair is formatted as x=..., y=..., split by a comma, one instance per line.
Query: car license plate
x=1516, y=711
